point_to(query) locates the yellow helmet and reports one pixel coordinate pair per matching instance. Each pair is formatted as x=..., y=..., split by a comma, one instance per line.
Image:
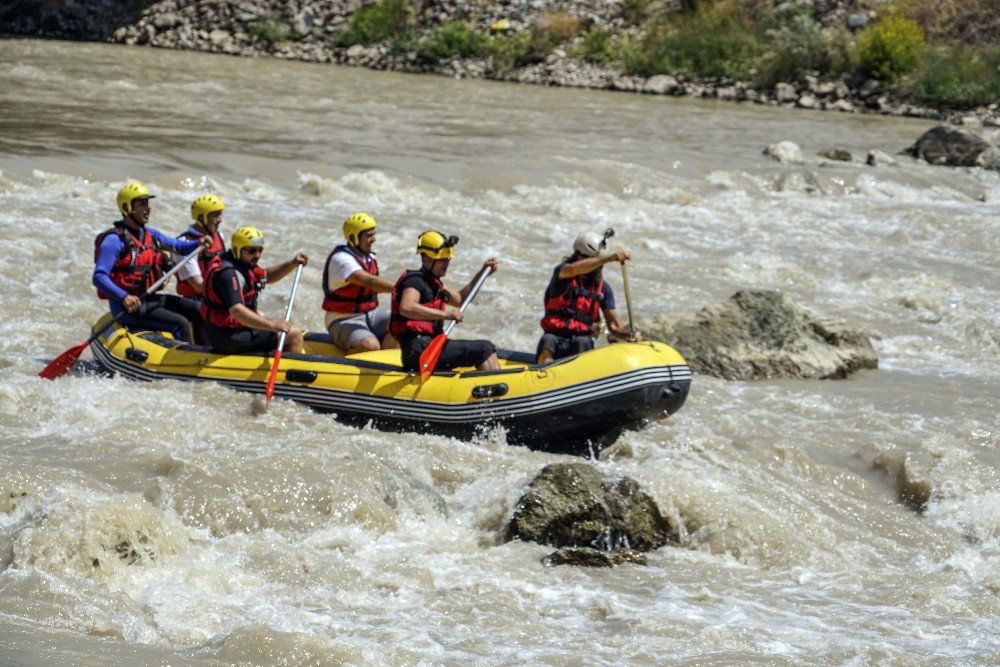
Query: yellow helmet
x=357, y=223
x=246, y=237
x=129, y=194
x=436, y=245
x=204, y=205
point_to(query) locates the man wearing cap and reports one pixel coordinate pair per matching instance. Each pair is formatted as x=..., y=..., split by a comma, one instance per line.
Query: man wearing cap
x=419, y=307
x=129, y=258
x=351, y=285
x=576, y=297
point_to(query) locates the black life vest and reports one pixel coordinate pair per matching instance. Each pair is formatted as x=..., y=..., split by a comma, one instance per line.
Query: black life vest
x=251, y=283
x=140, y=263
x=402, y=325
x=350, y=298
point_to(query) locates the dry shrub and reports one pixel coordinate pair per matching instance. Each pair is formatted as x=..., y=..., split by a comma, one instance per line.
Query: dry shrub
x=558, y=27
x=974, y=22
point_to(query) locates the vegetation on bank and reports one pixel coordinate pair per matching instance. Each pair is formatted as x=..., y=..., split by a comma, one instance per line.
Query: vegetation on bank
x=938, y=52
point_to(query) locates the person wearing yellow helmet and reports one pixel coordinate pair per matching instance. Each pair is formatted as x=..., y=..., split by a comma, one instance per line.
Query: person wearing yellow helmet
x=131, y=256
x=576, y=297
x=420, y=303
x=351, y=285
x=229, y=303
x=206, y=211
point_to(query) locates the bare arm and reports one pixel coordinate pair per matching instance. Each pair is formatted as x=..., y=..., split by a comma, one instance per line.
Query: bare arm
x=254, y=320
x=462, y=294
x=411, y=308
x=370, y=281
x=276, y=273
x=588, y=264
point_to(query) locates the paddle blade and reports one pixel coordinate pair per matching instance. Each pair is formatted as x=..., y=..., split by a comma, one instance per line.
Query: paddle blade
x=269, y=391
x=61, y=364
x=429, y=357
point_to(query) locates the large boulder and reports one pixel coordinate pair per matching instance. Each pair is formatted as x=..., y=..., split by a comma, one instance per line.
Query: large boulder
x=764, y=334
x=570, y=505
x=952, y=146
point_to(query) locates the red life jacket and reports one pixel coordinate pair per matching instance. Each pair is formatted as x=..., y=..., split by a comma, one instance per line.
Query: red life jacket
x=576, y=309
x=402, y=325
x=350, y=298
x=252, y=281
x=205, y=259
x=140, y=263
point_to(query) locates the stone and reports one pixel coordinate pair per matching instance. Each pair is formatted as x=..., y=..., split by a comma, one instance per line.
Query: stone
x=879, y=158
x=785, y=152
x=758, y=334
x=839, y=154
x=943, y=144
x=662, y=84
x=572, y=505
x=806, y=101
x=785, y=92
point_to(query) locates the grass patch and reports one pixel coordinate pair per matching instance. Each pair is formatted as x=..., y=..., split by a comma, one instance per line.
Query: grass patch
x=597, y=46
x=956, y=76
x=798, y=46
x=452, y=40
x=716, y=39
x=270, y=30
x=389, y=20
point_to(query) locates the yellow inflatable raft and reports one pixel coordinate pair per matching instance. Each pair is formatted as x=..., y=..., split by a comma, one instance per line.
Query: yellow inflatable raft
x=574, y=405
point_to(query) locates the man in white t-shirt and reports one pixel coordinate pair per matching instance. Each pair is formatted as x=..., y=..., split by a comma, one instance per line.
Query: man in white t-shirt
x=351, y=284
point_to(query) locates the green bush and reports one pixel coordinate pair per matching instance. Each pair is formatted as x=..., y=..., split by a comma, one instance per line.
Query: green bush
x=388, y=20
x=959, y=76
x=891, y=47
x=597, y=46
x=799, y=46
x=270, y=30
x=452, y=39
x=717, y=40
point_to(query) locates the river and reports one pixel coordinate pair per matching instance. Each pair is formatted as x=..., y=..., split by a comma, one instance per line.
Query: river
x=167, y=523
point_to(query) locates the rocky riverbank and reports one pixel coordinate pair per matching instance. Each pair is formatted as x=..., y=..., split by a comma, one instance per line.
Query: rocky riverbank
x=311, y=30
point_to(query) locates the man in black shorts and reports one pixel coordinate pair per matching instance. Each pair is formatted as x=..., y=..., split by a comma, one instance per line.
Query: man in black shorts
x=229, y=304
x=419, y=302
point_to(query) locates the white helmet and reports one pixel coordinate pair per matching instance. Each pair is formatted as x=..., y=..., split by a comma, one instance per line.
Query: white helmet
x=588, y=244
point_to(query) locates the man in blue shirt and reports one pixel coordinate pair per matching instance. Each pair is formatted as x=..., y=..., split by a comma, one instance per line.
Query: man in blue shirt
x=129, y=257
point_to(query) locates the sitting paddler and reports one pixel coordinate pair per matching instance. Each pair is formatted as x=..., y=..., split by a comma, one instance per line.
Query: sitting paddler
x=420, y=305
x=351, y=285
x=207, y=214
x=576, y=297
x=130, y=257
x=229, y=304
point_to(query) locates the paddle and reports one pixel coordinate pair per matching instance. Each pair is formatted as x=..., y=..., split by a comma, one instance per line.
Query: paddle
x=269, y=391
x=429, y=357
x=61, y=364
x=628, y=303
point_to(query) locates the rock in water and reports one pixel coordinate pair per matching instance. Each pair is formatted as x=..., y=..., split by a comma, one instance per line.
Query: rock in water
x=571, y=505
x=764, y=334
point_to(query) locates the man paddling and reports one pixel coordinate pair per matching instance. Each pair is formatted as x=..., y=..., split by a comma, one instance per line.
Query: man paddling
x=130, y=257
x=229, y=306
x=419, y=306
x=351, y=285
x=575, y=299
x=207, y=214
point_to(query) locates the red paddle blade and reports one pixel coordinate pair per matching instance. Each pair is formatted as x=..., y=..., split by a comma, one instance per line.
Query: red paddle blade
x=269, y=391
x=61, y=364
x=429, y=357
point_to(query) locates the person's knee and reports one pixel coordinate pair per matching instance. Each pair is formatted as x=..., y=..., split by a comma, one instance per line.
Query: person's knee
x=294, y=340
x=367, y=344
x=490, y=364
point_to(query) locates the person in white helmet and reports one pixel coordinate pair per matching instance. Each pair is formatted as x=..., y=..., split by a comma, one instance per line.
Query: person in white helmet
x=575, y=299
